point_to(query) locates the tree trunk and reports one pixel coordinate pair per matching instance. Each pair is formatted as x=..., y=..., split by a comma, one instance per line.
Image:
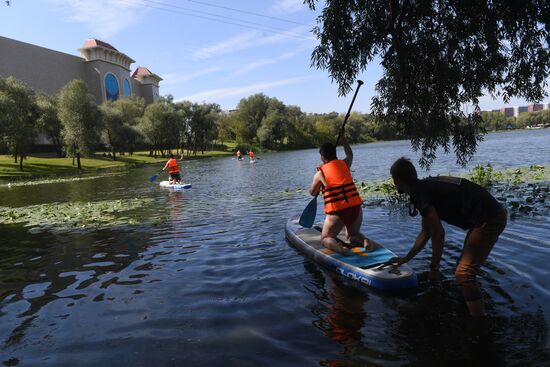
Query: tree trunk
x=73, y=160
x=15, y=158
x=21, y=163
x=78, y=161
x=114, y=158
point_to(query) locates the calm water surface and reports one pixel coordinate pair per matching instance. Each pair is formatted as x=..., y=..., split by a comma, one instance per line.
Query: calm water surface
x=211, y=281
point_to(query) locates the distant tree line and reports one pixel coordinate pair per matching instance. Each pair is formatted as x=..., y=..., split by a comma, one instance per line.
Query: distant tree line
x=77, y=127
x=495, y=120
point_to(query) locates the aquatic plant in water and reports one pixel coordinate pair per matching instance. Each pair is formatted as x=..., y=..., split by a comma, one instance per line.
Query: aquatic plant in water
x=32, y=182
x=75, y=215
x=524, y=190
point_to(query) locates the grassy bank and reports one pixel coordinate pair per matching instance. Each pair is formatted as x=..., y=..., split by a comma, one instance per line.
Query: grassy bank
x=47, y=165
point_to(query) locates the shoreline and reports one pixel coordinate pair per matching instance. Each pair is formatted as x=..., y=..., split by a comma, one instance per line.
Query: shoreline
x=43, y=168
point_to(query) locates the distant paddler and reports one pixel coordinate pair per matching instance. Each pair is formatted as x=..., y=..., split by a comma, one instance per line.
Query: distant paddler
x=251, y=155
x=173, y=170
x=239, y=155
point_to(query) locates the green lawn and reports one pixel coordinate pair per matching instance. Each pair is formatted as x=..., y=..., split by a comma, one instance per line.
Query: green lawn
x=47, y=165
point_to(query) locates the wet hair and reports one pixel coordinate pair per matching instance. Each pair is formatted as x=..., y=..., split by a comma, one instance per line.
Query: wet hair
x=171, y=156
x=404, y=170
x=328, y=150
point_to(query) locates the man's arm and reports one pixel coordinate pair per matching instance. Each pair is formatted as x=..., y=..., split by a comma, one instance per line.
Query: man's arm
x=347, y=148
x=317, y=183
x=431, y=228
x=166, y=165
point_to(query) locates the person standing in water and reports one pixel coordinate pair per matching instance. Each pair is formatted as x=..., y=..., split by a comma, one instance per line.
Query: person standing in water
x=458, y=202
x=173, y=170
x=342, y=201
x=239, y=155
x=251, y=155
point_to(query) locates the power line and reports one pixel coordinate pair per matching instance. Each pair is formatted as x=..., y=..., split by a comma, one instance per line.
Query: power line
x=233, y=21
x=245, y=12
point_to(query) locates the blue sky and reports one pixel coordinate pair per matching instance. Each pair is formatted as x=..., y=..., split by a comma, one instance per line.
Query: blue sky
x=205, y=50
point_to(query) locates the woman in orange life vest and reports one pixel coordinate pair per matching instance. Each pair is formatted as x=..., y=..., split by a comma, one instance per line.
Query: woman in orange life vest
x=251, y=154
x=173, y=170
x=342, y=201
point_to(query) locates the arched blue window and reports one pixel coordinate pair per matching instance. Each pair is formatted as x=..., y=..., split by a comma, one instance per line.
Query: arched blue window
x=127, y=90
x=111, y=87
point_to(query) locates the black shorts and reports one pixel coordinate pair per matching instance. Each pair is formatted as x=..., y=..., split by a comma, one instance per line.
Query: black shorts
x=175, y=176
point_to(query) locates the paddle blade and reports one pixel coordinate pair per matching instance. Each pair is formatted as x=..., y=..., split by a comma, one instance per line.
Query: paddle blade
x=153, y=178
x=308, y=215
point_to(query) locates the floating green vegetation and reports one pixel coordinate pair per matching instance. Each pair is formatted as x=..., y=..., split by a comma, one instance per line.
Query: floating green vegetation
x=523, y=190
x=377, y=192
x=32, y=182
x=486, y=176
x=71, y=216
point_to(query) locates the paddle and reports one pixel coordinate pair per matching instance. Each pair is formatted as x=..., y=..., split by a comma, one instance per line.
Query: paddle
x=308, y=215
x=154, y=177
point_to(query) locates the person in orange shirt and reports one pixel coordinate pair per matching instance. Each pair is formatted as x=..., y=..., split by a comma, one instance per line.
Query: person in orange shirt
x=173, y=170
x=251, y=154
x=343, y=205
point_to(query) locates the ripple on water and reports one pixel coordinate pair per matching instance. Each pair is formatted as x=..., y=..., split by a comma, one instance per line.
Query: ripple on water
x=210, y=280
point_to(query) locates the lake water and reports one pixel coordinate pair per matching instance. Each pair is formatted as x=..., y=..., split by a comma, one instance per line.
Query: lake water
x=209, y=280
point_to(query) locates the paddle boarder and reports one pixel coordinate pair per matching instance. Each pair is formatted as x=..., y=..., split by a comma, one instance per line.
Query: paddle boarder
x=239, y=155
x=342, y=201
x=458, y=202
x=251, y=155
x=173, y=170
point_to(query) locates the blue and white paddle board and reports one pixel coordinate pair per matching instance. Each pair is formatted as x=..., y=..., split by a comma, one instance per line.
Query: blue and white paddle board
x=175, y=186
x=366, y=268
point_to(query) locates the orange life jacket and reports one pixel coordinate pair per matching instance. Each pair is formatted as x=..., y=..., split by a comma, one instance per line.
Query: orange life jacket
x=251, y=154
x=173, y=166
x=341, y=192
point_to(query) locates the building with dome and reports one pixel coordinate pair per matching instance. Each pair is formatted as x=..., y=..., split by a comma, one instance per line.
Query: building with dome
x=106, y=70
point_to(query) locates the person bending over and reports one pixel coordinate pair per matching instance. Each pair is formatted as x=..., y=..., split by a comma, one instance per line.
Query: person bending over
x=458, y=202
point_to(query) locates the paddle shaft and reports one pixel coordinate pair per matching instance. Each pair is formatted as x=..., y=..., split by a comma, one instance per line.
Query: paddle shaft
x=359, y=84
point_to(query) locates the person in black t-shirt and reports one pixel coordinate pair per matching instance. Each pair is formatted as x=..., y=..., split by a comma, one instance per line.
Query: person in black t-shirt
x=461, y=203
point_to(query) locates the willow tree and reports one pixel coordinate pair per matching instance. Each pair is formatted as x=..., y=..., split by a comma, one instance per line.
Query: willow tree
x=48, y=120
x=18, y=114
x=80, y=119
x=437, y=57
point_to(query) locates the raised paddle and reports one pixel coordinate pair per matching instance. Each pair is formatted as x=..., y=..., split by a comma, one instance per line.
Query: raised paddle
x=308, y=215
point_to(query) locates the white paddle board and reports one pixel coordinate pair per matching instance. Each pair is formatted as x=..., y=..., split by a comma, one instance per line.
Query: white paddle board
x=175, y=186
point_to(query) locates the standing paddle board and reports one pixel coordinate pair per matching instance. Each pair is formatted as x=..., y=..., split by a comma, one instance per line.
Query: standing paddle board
x=366, y=268
x=175, y=186
x=253, y=161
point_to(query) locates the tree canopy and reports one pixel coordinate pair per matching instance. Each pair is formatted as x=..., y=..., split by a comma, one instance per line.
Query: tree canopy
x=80, y=118
x=18, y=113
x=437, y=57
